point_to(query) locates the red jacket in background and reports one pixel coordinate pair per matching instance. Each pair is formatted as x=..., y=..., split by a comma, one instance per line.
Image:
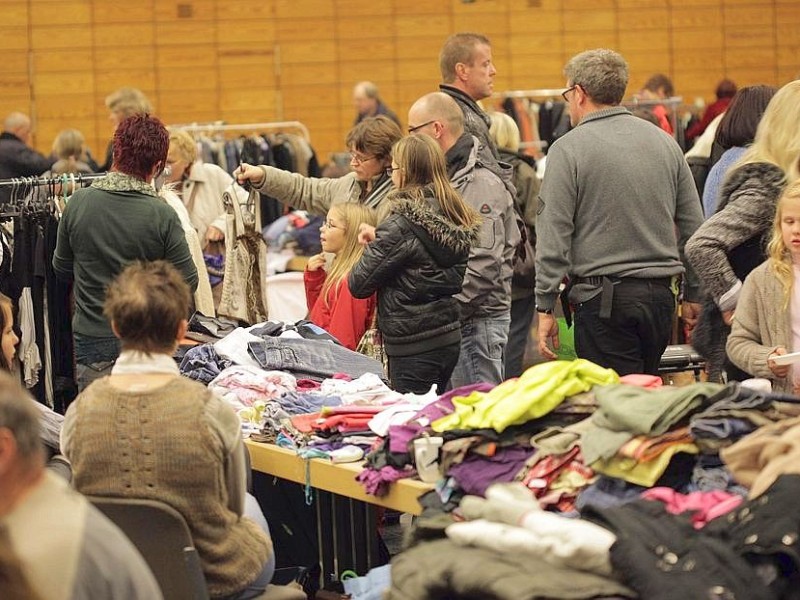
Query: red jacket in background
x=712, y=112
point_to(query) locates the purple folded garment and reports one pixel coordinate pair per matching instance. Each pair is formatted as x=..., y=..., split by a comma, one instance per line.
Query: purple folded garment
x=476, y=472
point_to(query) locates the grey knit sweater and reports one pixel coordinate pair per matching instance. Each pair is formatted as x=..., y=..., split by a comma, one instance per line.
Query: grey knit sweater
x=615, y=189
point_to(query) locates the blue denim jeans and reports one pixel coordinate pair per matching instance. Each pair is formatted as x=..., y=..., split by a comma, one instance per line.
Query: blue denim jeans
x=94, y=358
x=483, y=344
x=310, y=358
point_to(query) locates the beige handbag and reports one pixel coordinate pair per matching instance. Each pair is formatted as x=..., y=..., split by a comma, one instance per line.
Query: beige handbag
x=371, y=344
x=244, y=294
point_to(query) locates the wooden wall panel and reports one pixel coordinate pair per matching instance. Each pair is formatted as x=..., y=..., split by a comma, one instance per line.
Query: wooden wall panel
x=14, y=38
x=534, y=21
x=705, y=17
x=124, y=34
x=634, y=42
x=49, y=37
x=643, y=18
x=14, y=13
x=122, y=12
x=258, y=60
x=113, y=58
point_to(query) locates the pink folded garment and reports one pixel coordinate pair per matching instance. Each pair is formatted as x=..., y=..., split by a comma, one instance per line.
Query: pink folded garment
x=350, y=409
x=642, y=380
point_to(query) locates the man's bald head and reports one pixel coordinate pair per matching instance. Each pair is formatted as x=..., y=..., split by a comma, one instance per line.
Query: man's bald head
x=19, y=124
x=444, y=115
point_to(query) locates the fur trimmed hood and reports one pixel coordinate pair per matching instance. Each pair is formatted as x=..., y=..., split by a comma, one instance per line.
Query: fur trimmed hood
x=447, y=242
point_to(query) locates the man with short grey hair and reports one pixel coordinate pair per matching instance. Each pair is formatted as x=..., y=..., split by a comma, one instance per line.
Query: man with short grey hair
x=68, y=549
x=368, y=103
x=616, y=190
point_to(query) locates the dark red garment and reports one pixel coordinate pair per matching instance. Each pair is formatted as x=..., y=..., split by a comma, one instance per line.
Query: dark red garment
x=712, y=112
x=345, y=318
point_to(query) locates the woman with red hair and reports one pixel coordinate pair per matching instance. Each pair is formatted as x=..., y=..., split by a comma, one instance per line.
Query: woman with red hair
x=117, y=220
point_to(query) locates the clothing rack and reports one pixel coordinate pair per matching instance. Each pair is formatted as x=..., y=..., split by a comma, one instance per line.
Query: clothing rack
x=534, y=146
x=221, y=126
x=32, y=182
x=541, y=94
x=22, y=191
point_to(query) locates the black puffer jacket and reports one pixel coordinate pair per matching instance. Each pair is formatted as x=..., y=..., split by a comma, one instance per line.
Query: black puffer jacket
x=416, y=264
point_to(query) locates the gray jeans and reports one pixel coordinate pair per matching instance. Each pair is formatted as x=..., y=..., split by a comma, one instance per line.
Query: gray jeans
x=483, y=344
x=86, y=374
x=310, y=358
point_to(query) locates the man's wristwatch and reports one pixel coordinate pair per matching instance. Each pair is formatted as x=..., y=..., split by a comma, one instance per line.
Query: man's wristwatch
x=544, y=311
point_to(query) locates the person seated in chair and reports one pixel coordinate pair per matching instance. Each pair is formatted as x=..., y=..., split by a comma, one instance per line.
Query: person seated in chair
x=146, y=432
x=62, y=545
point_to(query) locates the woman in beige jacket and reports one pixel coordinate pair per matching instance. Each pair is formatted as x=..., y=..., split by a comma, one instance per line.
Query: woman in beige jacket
x=370, y=144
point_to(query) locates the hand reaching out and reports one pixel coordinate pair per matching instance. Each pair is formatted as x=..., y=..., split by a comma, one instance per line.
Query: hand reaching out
x=249, y=173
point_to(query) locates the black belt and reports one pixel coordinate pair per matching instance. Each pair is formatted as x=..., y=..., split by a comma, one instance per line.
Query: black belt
x=607, y=282
x=597, y=280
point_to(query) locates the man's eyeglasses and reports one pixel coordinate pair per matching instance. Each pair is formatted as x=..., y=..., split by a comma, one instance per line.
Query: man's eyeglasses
x=355, y=158
x=328, y=225
x=390, y=170
x=567, y=91
x=416, y=127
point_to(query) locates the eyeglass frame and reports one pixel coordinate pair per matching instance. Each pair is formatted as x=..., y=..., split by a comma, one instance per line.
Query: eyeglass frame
x=568, y=90
x=360, y=161
x=418, y=127
x=390, y=169
x=328, y=225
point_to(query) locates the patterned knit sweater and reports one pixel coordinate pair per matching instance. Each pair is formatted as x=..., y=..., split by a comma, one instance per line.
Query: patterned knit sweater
x=159, y=445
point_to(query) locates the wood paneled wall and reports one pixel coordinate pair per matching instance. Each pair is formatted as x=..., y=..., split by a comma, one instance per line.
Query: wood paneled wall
x=265, y=60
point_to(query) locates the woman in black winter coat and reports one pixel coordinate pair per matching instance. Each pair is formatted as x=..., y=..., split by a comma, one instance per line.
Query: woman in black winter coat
x=416, y=260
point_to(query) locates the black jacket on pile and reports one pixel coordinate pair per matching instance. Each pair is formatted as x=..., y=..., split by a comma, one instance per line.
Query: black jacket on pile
x=416, y=264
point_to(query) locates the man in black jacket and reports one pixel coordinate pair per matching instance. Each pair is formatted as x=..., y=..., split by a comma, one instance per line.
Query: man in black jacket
x=17, y=158
x=468, y=75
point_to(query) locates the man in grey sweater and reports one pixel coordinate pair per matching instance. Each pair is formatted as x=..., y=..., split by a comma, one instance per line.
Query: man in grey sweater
x=615, y=191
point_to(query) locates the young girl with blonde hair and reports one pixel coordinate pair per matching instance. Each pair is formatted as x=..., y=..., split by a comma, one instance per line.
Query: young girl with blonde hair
x=416, y=260
x=766, y=323
x=331, y=305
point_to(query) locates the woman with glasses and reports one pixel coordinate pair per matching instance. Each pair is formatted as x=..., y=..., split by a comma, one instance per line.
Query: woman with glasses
x=370, y=144
x=331, y=304
x=416, y=260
